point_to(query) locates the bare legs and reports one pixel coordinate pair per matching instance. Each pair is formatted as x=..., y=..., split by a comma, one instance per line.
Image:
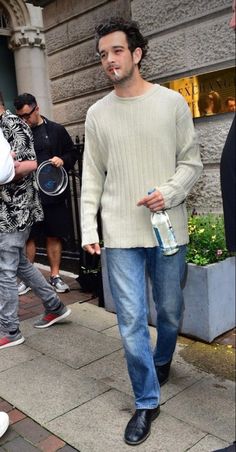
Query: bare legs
x=54, y=249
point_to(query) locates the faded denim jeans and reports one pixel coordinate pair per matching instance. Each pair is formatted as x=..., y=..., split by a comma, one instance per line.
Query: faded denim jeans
x=127, y=276
x=13, y=263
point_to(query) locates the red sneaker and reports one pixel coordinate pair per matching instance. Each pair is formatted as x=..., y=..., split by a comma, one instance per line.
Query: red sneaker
x=10, y=340
x=49, y=318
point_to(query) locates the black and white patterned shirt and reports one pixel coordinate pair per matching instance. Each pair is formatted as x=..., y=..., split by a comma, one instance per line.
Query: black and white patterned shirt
x=20, y=206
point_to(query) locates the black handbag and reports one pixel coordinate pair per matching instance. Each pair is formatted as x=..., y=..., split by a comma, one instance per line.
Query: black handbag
x=90, y=275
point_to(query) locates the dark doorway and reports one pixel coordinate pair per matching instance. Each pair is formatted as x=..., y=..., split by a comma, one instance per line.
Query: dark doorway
x=7, y=73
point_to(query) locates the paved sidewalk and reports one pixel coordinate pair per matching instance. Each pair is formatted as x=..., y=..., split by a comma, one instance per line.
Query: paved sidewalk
x=66, y=388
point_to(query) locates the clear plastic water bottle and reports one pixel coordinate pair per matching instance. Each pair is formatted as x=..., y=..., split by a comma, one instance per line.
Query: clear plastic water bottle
x=164, y=232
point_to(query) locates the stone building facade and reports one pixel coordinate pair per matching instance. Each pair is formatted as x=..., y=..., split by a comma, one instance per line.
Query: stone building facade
x=22, y=53
x=186, y=38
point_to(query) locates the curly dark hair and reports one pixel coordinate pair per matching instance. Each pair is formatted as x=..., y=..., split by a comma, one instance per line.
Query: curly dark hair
x=130, y=28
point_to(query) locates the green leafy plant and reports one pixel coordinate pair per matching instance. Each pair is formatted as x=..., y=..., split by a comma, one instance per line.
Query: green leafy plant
x=207, y=239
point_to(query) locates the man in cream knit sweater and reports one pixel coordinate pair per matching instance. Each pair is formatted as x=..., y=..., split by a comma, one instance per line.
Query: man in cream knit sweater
x=138, y=137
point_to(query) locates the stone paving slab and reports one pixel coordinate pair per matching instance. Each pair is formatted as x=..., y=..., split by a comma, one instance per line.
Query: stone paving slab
x=182, y=376
x=209, y=404
x=73, y=344
x=44, y=388
x=111, y=370
x=213, y=358
x=80, y=390
x=113, y=331
x=12, y=356
x=92, y=317
x=99, y=425
x=27, y=328
x=208, y=444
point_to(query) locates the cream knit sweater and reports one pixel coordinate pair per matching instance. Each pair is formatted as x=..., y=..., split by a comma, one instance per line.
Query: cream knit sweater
x=131, y=146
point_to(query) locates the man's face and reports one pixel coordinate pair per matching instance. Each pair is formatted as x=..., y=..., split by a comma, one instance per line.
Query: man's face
x=232, y=23
x=29, y=114
x=231, y=105
x=118, y=62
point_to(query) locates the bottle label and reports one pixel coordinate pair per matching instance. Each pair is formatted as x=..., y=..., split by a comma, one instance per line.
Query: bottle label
x=164, y=233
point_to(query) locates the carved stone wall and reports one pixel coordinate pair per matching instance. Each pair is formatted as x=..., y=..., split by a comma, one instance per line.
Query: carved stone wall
x=185, y=38
x=17, y=11
x=74, y=70
x=26, y=40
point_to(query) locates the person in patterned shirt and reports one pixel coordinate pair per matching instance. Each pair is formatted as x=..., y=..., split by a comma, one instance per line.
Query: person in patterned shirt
x=20, y=208
x=7, y=170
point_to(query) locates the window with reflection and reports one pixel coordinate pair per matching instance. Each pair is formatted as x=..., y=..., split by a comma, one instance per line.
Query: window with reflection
x=208, y=94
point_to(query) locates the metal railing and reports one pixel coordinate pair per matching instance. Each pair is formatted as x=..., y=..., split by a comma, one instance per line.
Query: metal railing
x=75, y=180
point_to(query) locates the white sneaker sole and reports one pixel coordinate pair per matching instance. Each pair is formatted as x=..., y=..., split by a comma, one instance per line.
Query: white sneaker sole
x=13, y=343
x=57, y=320
x=4, y=423
x=61, y=290
x=23, y=292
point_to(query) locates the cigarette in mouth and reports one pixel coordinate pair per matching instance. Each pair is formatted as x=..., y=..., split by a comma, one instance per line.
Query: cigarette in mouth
x=116, y=74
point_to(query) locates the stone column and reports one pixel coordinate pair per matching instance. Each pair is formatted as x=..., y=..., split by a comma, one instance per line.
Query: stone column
x=28, y=45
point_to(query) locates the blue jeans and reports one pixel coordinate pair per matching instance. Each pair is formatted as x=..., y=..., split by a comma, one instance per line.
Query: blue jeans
x=127, y=276
x=13, y=263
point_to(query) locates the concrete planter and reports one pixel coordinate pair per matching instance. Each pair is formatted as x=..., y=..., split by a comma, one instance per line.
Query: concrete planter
x=209, y=298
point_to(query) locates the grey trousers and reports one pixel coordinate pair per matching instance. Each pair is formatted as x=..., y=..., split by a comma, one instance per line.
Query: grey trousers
x=13, y=263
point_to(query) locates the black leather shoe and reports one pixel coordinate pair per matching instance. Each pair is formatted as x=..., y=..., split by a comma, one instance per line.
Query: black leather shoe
x=163, y=373
x=139, y=426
